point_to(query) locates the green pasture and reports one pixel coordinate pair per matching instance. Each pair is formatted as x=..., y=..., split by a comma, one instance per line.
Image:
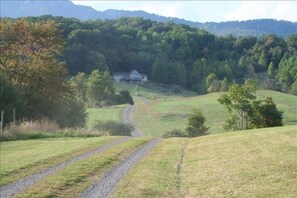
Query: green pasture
x=104, y=114
x=164, y=114
x=152, y=90
x=253, y=163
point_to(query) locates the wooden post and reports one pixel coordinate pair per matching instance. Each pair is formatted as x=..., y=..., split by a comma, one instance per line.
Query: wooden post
x=2, y=121
x=13, y=116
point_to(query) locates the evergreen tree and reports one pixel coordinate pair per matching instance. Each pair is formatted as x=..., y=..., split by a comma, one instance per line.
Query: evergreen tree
x=271, y=70
x=196, y=126
x=225, y=85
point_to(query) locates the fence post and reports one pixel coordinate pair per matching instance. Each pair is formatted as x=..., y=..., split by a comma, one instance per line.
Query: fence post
x=2, y=120
x=13, y=116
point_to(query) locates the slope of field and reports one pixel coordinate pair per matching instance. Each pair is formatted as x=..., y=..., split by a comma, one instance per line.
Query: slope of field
x=254, y=163
x=164, y=113
x=152, y=90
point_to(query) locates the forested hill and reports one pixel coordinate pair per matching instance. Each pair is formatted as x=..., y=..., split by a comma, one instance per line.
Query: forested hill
x=68, y=9
x=176, y=54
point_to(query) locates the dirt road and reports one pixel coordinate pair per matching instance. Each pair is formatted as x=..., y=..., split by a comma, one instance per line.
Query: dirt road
x=128, y=118
x=16, y=187
x=106, y=185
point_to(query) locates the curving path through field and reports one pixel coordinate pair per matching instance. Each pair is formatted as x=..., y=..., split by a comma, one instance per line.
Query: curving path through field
x=128, y=118
x=104, y=186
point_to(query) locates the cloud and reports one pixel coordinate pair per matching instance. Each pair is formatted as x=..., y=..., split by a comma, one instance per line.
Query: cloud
x=203, y=11
x=281, y=10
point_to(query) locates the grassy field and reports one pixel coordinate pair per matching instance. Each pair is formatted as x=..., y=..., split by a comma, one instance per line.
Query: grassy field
x=255, y=163
x=22, y=158
x=168, y=113
x=104, y=114
x=151, y=90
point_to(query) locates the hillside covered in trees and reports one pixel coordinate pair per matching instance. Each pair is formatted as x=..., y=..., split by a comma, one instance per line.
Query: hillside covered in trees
x=176, y=54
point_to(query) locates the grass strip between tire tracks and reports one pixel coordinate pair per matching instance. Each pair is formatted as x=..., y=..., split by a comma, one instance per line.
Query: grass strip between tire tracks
x=107, y=184
x=156, y=174
x=70, y=181
x=20, y=185
x=36, y=164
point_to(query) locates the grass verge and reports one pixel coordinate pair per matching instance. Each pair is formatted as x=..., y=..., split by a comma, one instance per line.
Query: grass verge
x=156, y=175
x=74, y=179
x=23, y=158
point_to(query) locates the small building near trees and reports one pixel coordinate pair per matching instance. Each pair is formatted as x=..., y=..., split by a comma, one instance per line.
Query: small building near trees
x=133, y=77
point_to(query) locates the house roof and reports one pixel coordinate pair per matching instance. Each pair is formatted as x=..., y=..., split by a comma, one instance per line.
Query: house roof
x=128, y=74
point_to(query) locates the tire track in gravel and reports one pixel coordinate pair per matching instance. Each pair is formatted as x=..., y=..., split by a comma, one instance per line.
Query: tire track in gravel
x=128, y=118
x=16, y=187
x=106, y=185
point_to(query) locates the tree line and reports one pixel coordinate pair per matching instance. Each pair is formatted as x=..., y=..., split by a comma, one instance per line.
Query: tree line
x=177, y=54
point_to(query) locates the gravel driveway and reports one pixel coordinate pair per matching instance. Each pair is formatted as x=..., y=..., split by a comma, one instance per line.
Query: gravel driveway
x=128, y=118
x=106, y=185
x=16, y=187
x=103, y=187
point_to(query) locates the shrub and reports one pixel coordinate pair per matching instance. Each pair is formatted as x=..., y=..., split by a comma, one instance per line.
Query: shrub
x=115, y=128
x=175, y=133
x=266, y=114
x=176, y=89
x=196, y=123
x=127, y=97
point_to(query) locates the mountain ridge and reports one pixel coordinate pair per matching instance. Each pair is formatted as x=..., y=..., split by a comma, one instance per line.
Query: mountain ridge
x=257, y=27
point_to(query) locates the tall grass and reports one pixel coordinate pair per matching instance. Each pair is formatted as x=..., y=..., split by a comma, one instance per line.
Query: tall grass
x=43, y=128
x=38, y=125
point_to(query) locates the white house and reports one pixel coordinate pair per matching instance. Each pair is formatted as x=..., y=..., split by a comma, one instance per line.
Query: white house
x=133, y=76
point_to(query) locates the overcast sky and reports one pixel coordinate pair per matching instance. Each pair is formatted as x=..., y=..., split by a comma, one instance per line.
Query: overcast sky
x=203, y=11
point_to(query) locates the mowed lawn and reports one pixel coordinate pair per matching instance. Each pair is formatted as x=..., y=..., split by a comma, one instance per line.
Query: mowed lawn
x=21, y=158
x=254, y=163
x=168, y=113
